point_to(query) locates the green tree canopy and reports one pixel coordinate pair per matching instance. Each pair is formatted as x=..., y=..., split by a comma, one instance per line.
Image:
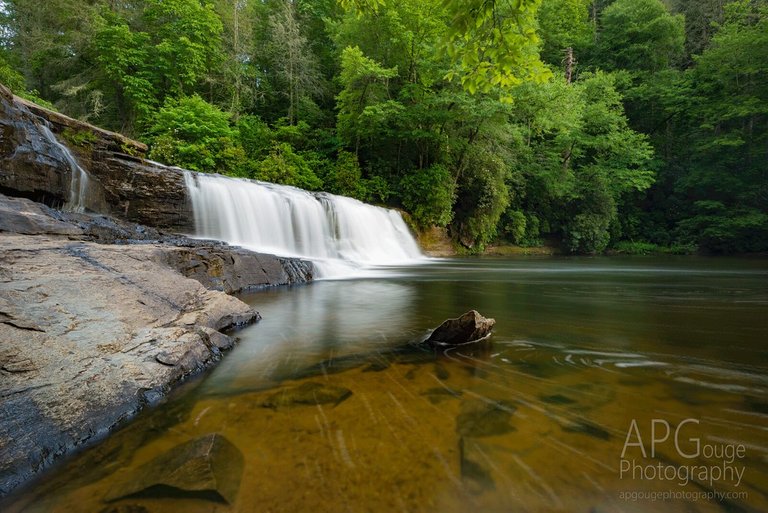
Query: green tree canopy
x=640, y=35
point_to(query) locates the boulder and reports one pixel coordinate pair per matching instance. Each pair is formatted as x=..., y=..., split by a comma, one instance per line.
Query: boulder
x=470, y=327
x=232, y=269
x=207, y=468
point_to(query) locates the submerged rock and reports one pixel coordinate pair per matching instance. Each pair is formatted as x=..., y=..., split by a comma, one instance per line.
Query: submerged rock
x=125, y=508
x=470, y=327
x=309, y=393
x=585, y=427
x=480, y=418
x=476, y=472
x=439, y=394
x=207, y=468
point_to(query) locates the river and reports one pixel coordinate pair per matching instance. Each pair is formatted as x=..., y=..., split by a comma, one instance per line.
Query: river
x=609, y=384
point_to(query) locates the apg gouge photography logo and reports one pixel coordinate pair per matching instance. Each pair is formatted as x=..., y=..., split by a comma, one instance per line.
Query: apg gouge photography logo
x=716, y=463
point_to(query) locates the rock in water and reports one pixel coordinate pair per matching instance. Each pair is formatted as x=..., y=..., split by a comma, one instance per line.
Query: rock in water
x=209, y=468
x=309, y=393
x=470, y=327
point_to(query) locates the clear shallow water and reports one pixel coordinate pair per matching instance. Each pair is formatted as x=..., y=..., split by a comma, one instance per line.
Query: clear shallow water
x=535, y=421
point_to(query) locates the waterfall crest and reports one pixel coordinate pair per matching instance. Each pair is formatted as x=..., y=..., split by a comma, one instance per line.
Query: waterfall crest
x=334, y=231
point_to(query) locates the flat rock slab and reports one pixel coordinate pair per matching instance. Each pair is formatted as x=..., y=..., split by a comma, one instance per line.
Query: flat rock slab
x=470, y=327
x=90, y=332
x=206, y=468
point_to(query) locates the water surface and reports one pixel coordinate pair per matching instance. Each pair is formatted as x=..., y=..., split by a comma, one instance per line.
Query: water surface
x=537, y=420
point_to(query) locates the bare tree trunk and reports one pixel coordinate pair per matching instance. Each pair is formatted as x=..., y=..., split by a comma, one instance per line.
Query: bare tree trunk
x=569, y=63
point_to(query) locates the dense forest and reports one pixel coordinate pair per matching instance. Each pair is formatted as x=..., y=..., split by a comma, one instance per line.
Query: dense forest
x=632, y=125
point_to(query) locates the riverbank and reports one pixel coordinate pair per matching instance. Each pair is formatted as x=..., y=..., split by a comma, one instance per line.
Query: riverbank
x=435, y=242
x=99, y=318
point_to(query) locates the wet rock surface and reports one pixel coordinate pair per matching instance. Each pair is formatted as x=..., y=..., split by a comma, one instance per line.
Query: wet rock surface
x=470, y=327
x=121, y=183
x=206, y=468
x=99, y=318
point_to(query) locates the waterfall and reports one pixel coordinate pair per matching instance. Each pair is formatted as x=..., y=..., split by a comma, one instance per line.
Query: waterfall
x=336, y=232
x=78, y=185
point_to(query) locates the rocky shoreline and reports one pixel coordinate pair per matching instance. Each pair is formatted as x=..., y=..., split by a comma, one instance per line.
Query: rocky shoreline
x=99, y=318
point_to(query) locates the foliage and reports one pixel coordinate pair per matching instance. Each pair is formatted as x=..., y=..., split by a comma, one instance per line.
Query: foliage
x=294, y=64
x=657, y=133
x=515, y=226
x=641, y=35
x=185, y=37
x=428, y=194
x=587, y=233
x=564, y=24
x=363, y=107
x=285, y=166
x=483, y=198
x=345, y=177
x=11, y=78
x=125, y=61
x=79, y=138
x=649, y=248
x=191, y=133
x=494, y=43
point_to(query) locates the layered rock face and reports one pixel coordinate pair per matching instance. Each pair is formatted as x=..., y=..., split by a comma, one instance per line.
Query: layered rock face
x=121, y=183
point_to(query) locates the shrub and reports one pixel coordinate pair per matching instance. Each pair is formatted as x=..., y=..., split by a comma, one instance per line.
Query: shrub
x=191, y=133
x=285, y=166
x=428, y=195
x=587, y=233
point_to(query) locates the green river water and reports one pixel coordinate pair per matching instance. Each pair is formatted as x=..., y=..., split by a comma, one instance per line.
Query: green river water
x=591, y=358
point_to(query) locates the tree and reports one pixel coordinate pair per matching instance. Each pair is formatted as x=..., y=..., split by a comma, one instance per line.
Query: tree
x=640, y=35
x=193, y=134
x=362, y=103
x=164, y=50
x=564, y=24
x=186, y=37
x=728, y=121
x=493, y=43
x=124, y=58
x=285, y=166
x=295, y=65
x=233, y=86
x=575, y=159
x=701, y=17
x=428, y=194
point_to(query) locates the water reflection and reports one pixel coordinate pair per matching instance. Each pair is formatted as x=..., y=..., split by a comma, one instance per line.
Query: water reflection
x=307, y=324
x=334, y=410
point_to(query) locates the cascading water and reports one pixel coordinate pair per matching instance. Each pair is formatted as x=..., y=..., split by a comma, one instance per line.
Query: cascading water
x=78, y=185
x=336, y=232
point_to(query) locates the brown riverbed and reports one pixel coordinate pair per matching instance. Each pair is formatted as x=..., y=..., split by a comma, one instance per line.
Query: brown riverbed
x=537, y=421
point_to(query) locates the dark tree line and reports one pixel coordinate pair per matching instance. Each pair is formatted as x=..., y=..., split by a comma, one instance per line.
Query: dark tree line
x=637, y=125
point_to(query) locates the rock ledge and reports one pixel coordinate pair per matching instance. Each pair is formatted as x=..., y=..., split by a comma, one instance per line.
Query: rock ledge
x=99, y=318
